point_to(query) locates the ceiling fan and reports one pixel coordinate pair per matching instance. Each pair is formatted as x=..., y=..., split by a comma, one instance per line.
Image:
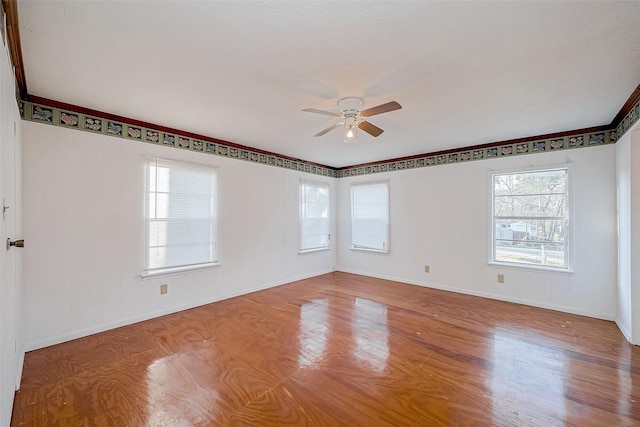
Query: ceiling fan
x=354, y=118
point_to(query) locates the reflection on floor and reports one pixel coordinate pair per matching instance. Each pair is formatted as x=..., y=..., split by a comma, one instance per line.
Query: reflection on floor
x=340, y=349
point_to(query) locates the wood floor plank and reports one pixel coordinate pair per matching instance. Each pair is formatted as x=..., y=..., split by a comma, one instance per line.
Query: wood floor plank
x=340, y=350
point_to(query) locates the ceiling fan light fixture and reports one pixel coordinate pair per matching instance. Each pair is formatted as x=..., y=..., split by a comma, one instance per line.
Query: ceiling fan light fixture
x=354, y=117
x=350, y=126
x=350, y=134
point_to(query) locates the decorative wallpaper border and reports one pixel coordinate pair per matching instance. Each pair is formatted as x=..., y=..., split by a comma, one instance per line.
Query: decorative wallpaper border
x=570, y=141
x=61, y=117
x=629, y=120
x=41, y=113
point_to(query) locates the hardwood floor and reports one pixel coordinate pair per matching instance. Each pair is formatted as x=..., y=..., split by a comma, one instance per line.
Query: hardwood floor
x=336, y=350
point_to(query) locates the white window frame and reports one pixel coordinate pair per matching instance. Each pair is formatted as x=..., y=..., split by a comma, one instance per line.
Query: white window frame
x=385, y=244
x=569, y=215
x=302, y=215
x=151, y=197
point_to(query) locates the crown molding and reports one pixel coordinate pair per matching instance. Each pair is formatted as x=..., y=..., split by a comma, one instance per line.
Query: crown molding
x=629, y=113
x=10, y=8
x=531, y=145
x=84, y=119
x=556, y=135
x=49, y=111
x=627, y=108
x=159, y=128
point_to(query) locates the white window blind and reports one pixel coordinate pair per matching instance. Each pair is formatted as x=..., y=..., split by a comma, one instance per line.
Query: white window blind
x=370, y=216
x=314, y=215
x=531, y=218
x=180, y=216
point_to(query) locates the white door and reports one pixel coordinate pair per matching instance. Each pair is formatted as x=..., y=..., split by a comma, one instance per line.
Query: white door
x=10, y=259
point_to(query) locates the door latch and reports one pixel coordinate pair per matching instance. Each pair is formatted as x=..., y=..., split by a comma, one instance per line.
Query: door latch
x=17, y=243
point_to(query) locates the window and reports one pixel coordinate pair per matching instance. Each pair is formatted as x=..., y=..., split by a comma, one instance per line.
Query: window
x=370, y=216
x=314, y=216
x=531, y=218
x=180, y=229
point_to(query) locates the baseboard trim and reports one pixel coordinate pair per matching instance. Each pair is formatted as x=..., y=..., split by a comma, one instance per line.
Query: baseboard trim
x=563, y=309
x=90, y=331
x=624, y=330
x=35, y=345
x=20, y=367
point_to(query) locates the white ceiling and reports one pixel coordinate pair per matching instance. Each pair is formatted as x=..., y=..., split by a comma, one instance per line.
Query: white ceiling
x=466, y=73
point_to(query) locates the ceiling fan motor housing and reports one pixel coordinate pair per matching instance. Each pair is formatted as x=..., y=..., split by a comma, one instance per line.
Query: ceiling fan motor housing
x=350, y=110
x=354, y=117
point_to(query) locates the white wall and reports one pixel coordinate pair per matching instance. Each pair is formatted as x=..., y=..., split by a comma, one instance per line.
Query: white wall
x=83, y=221
x=440, y=216
x=634, y=257
x=84, y=212
x=623, y=184
x=628, y=183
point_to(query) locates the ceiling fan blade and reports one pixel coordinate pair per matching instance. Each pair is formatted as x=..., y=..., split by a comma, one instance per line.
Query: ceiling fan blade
x=372, y=130
x=329, y=129
x=389, y=106
x=327, y=113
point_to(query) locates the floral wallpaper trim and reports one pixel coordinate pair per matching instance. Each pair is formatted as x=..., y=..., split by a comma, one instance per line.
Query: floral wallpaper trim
x=84, y=122
x=570, y=141
x=629, y=120
x=64, y=118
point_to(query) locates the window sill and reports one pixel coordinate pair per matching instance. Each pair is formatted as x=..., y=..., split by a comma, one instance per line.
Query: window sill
x=379, y=251
x=306, y=251
x=177, y=270
x=532, y=267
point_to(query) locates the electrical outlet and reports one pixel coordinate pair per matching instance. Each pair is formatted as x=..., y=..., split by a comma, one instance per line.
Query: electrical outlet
x=164, y=288
x=500, y=278
x=426, y=268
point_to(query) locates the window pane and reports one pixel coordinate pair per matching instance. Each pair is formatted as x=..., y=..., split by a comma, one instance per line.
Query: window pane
x=534, y=253
x=157, y=233
x=552, y=181
x=180, y=215
x=162, y=205
x=531, y=218
x=531, y=230
x=370, y=216
x=540, y=205
x=314, y=215
x=163, y=176
x=317, y=210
